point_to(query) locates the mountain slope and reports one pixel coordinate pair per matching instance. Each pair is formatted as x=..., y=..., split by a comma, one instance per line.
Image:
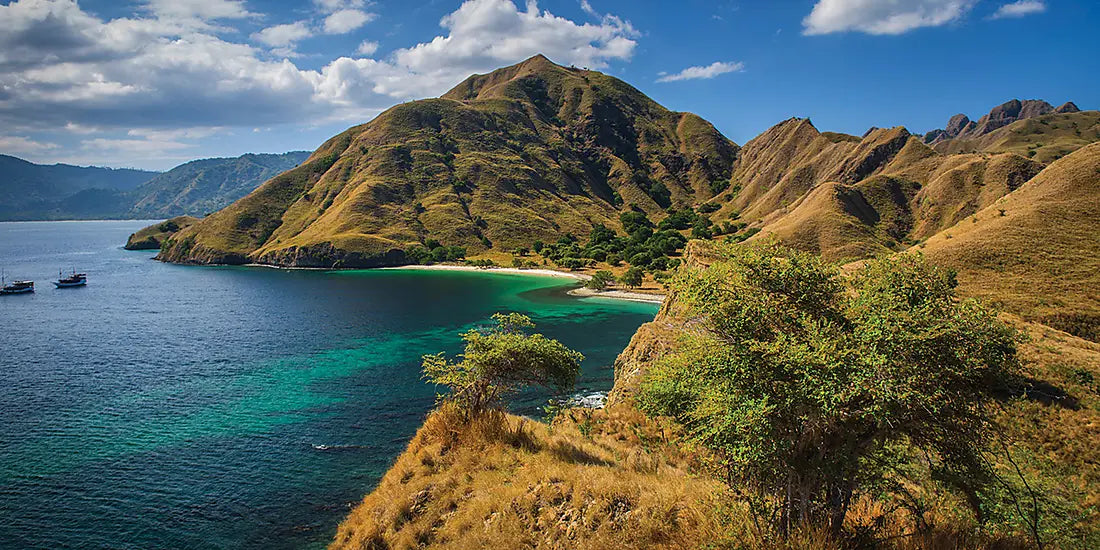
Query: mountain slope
x=527, y=152
x=31, y=191
x=202, y=186
x=1043, y=138
x=849, y=198
x=1036, y=252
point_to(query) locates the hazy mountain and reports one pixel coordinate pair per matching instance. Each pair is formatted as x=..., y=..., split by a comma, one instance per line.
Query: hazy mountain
x=31, y=191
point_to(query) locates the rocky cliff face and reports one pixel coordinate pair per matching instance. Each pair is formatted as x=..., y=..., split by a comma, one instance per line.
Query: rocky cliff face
x=960, y=126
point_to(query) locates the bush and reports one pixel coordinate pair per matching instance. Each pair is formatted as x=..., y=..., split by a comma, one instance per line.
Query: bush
x=600, y=280
x=498, y=361
x=812, y=390
x=632, y=277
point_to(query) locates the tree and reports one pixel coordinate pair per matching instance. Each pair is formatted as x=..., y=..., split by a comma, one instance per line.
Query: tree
x=537, y=246
x=499, y=360
x=632, y=277
x=811, y=387
x=600, y=280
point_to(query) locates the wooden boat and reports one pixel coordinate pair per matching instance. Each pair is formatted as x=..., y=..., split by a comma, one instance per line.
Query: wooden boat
x=75, y=279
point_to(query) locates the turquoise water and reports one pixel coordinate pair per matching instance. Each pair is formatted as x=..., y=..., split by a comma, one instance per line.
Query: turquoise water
x=169, y=406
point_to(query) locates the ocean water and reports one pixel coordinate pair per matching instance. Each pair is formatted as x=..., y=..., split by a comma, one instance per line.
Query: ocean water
x=168, y=406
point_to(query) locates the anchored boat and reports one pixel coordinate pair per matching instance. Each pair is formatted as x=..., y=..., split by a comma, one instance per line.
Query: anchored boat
x=75, y=279
x=16, y=287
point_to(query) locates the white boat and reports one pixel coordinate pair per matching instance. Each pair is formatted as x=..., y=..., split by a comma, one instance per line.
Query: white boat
x=76, y=279
x=17, y=287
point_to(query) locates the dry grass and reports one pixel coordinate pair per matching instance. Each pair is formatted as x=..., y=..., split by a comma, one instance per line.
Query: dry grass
x=599, y=479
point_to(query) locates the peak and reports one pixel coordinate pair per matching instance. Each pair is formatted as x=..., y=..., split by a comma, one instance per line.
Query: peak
x=1068, y=107
x=474, y=86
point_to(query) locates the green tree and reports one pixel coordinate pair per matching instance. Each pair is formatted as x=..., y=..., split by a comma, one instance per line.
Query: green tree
x=499, y=360
x=600, y=280
x=812, y=388
x=632, y=277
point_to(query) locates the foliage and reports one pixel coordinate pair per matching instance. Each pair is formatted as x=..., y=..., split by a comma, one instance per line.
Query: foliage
x=812, y=389
x=600, y=280
x=499, y=360
x=434, y=252
x=632, y=277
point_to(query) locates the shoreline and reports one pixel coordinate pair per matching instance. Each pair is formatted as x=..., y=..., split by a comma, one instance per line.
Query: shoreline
x=581, y=292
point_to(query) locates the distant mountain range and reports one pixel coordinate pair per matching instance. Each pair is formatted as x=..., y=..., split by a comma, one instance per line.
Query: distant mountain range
x=31, y=191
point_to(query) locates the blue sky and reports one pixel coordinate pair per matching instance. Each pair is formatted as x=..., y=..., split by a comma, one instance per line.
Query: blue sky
x=153, y=83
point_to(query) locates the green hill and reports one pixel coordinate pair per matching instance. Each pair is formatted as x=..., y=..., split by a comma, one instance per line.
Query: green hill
x=203, y=186
x=31, y=191
x=527, y=152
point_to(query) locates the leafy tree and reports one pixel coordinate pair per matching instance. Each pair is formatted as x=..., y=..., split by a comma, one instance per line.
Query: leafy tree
x=632, y=221
x=632, y=277
x=811, y=388
x=537, y=246
x=499, y=360
x=600, y=280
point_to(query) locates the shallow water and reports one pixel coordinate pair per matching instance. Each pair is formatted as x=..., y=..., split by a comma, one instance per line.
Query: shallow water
x=169, y=406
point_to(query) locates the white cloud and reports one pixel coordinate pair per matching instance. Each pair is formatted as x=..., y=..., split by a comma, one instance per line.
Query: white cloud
x=329, y=6
x=587, y=8
x=61, y=67
x=1019, y=9
x=485, y=34
x=882, y=16
x=367, y=47
x=283, y=35
x=24, y=145
x=708, y=71
x=347, y=20
x=199, y=9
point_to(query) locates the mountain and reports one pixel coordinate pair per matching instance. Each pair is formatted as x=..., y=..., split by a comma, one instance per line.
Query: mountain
x=151, y=238
x=31, y=191
x=527, y=152
x=203, y=186
x=36, y=192
x=961, y=127
x=1036, y=251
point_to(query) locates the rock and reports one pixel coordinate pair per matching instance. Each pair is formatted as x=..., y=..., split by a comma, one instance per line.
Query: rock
x=1067, y=107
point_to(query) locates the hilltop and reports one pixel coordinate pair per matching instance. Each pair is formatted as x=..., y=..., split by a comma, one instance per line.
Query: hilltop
x=527, y=152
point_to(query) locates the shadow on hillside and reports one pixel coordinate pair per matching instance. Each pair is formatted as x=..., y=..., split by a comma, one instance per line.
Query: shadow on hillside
x=1040, y=391
x=572, y=454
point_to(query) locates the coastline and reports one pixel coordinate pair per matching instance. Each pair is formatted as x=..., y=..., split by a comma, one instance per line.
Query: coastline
x=579, y=292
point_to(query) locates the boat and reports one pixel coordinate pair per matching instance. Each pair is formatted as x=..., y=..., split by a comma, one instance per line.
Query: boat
x=75, y=279
x=16, y=287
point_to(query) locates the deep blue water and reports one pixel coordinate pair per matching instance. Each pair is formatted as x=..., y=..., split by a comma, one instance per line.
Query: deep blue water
x=168, y=406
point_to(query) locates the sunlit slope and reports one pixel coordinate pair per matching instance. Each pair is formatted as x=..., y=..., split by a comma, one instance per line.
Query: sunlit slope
x=1035, y=252
x=527, y=152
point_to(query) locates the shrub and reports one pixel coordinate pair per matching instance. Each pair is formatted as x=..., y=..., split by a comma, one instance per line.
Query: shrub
x=813, y=390
x=600, y=280
x=632, y=277
x=498, y=361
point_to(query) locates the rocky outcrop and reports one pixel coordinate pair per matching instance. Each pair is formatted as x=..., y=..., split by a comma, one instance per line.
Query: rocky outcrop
x=961, y=127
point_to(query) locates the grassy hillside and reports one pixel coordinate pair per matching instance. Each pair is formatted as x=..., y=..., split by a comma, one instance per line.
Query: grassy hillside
x=527, y=152
x=616, y=478
x=151, y=238
x=203, y=186
x=1036, y=251
x=1044, y=138
x=850, y=198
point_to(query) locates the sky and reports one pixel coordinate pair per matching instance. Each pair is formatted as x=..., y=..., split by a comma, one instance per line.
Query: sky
x=154, y=83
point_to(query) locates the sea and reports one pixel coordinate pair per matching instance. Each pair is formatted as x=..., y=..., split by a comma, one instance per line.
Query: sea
x=169, y=406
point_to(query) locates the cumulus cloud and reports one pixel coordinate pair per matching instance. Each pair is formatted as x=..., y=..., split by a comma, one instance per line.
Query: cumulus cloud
x=283, y=35
x=704, y=72
x=882, y=16
x=367, y=47
x=64, y=68
x=345, y=21
x=1019, y=9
